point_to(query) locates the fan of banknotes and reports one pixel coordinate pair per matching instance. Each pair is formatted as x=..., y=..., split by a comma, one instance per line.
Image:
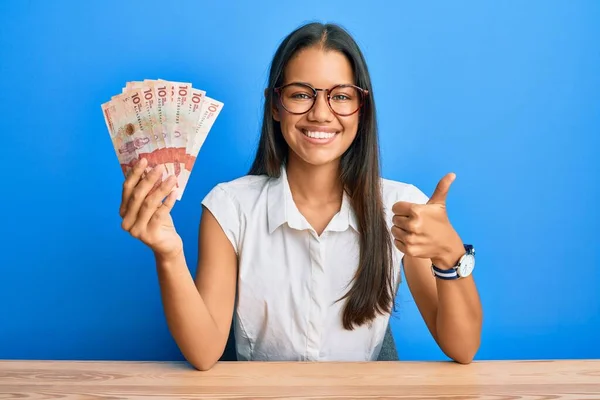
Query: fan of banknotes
x=163, y=121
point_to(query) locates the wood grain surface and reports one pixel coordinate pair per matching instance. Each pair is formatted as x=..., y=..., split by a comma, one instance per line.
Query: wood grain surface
x=564, y=379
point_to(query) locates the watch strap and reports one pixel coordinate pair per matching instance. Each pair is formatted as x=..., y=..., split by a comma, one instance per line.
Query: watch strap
x=447, y=274
x=452, y=273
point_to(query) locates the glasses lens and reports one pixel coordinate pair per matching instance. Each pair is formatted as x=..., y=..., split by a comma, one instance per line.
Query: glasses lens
x=297, y=98
x=345, y=99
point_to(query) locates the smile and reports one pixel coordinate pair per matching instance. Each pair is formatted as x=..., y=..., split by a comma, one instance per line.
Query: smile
x=318, y=135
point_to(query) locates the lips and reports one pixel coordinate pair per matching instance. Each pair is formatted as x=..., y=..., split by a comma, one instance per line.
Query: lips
x=318, y=134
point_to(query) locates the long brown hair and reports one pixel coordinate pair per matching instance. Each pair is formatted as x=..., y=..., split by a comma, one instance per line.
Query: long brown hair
x=372, y=291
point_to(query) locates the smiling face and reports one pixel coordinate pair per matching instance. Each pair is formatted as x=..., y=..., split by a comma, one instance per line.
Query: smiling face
x=319, y=136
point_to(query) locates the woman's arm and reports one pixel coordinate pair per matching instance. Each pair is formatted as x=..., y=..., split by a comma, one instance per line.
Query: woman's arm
x=199, y=312
x=451, y=309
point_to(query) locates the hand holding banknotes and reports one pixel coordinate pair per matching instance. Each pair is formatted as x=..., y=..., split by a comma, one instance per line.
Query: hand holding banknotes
x=157, y=128
x=146, y=209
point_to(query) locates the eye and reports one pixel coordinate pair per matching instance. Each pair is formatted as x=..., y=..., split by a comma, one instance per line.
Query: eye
x=344, y=94
x=301, y=96
x=341, y=97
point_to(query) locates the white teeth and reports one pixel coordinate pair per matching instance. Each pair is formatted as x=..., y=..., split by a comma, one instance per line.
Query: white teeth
x=319, y=135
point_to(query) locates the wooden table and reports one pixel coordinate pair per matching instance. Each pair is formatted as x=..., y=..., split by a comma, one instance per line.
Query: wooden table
x=275, y=380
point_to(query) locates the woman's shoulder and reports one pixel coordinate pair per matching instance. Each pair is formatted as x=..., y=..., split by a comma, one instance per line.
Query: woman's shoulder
x=243, y=188
x=245, y=182
x=394, y=191
x=230, y=201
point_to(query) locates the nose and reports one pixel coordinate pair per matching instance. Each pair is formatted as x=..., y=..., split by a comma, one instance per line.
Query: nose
x=320, y=111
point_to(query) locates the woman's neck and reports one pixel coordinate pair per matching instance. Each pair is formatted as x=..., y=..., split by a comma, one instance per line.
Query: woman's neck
x=314, y=185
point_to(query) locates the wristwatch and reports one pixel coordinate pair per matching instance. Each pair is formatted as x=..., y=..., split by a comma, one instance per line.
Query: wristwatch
x=463, y=267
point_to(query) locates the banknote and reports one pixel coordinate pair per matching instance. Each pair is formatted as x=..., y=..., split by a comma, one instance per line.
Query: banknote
x=164, y=121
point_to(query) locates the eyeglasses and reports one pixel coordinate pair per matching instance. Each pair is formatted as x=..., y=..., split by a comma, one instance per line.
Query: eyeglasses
x=299, y=98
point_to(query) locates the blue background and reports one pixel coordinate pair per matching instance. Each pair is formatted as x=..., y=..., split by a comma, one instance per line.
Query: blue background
x=505, y=94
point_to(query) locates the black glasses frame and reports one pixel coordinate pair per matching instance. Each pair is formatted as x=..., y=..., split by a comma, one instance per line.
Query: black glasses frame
x=363, y=95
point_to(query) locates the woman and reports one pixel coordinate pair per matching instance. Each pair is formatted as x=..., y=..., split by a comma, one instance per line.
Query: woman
x=305, y=251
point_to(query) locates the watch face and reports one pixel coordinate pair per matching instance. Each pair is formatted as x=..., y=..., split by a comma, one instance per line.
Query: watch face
x=466, y=266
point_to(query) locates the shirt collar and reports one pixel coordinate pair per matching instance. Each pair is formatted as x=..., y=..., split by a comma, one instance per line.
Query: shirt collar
x=282, y=209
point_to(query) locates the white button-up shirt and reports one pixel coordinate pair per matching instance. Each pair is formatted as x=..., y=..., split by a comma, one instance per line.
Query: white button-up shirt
x=289, y=278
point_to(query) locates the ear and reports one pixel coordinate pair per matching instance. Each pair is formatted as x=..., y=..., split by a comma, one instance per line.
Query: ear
x=275, y=113
x=274, y=108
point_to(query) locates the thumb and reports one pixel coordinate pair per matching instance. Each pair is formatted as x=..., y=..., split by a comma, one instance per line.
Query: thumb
x=441, y=190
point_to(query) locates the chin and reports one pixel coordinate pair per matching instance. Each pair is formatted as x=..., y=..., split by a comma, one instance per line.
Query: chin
x=321, y=163
x=317, y=160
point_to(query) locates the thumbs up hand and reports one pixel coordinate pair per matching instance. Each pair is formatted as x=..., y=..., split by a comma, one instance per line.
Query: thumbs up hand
x=424, y=230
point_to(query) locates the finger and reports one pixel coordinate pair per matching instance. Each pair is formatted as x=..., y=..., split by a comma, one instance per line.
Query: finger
x=167, y=205
x=408, y=237
x=130, y=183
x=404, y=208
x=169, y=201
x=401, y=222
x=400, y=245
x=138, y=196
x=406, y=248
x=157, y=184
x=400, y=234
x=152, y=204
x=441, y=190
